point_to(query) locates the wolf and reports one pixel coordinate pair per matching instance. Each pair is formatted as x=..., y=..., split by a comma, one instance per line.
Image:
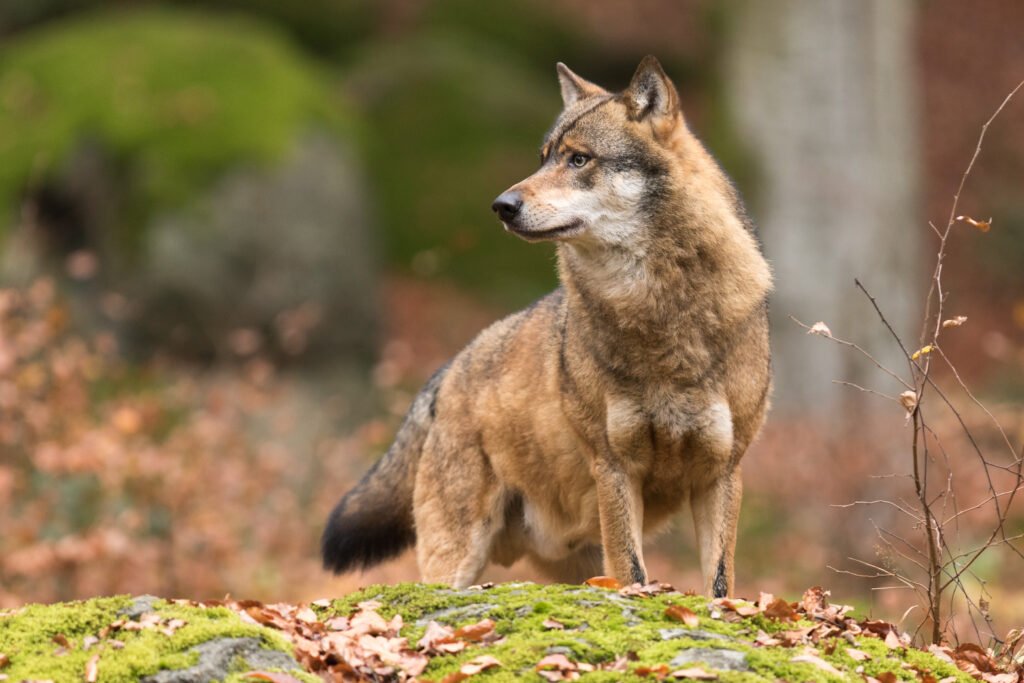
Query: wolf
x=567, y=432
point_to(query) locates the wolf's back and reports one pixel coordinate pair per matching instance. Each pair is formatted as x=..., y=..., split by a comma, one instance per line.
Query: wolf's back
x=374, y=521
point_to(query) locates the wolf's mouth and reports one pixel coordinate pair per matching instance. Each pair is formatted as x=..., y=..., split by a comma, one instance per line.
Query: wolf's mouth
x=550, y=233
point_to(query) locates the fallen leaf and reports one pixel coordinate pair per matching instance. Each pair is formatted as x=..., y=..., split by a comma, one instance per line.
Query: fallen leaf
x=552, y=625
x=954, y=322
x=620, y=664
x=973, y=658
x=695, y=674
x=92, y=669
x=1004, y=677
x=795, y=636
x=476, y=632
x=857, y=655
x=307, y=615
x=440, y=639
x=336, y=623
x=820, y=328
x=814, y=600
x=481, y=663
x=557, y=667
x=646, y=590
x=892, y=640
x=878, y=627
x=817, y=661
x=62, y=640
x=683, y=614
x=272, y=676
x=4, y=660
x=603, y=582
x=659, y=671
x=781, y=610
x=556, y=660
x=887, y=677
x=984, y=226
x=368, y=621
x=740, y=607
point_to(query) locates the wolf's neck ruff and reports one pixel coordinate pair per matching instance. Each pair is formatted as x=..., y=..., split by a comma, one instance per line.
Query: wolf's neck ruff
x=661, y=306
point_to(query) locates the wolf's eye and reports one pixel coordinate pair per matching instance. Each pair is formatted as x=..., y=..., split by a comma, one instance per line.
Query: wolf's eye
x=578, y=160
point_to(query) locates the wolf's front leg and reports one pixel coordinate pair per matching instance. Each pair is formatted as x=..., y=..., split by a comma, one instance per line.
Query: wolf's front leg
x=621, y=509
x=716, y=511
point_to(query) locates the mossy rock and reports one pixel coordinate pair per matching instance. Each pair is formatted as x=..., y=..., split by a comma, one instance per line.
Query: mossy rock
x=599, y=626
x=207, y=162
x=213, y=643
x=177, y=96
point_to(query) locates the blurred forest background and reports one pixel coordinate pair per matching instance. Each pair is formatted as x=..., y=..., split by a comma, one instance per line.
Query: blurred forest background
x=237, y=235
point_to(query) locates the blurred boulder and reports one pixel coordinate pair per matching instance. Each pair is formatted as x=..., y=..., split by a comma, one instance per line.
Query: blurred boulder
x=270, y=256
x=196, y=176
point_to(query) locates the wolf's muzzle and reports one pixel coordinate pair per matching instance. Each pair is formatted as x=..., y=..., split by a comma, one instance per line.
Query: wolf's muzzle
x=507, y=205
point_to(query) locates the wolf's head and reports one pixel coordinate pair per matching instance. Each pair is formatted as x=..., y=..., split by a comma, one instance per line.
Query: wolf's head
x=606, y=165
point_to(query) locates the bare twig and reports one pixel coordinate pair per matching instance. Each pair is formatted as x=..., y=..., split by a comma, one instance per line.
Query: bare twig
x=937, y=556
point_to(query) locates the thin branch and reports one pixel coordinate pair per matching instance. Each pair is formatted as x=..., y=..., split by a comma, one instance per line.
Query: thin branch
x=867, y=355
x=858, y=387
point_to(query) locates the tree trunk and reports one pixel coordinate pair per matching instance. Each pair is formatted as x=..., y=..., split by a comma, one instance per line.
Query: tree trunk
x=822, y=94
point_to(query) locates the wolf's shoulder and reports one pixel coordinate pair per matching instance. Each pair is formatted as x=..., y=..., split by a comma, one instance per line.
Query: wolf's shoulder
x=489, y=350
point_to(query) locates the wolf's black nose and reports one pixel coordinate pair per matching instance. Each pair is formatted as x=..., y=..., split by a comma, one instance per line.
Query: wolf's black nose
x=507, y=205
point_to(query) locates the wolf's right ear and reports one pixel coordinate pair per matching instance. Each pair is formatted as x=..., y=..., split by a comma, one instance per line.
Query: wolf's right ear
x=575, y=88
x=651, y=93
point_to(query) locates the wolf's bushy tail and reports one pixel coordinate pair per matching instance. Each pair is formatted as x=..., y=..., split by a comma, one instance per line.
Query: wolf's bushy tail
x=374, y=521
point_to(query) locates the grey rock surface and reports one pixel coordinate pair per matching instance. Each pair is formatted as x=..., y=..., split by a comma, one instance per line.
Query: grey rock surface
x=141, y=605
x=455, y=614
x=218, y=657
x=723, y=660
x=694, y=634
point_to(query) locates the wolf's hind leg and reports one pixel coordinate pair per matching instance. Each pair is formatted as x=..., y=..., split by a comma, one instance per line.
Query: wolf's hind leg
x=716, y=511
x=459, y=508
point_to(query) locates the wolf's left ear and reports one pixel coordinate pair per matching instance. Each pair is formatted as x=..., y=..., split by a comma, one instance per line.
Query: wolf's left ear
x=575, y=88
x=651, y=93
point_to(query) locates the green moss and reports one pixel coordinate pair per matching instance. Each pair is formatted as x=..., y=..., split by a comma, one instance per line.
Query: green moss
x=601, y=625
x=26, y=636
x=174, y=97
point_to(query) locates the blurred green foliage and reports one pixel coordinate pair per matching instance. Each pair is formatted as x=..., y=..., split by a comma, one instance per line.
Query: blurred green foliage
x=452, y=123
x=450, y=101
x=327, y=28
x=176, y=97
